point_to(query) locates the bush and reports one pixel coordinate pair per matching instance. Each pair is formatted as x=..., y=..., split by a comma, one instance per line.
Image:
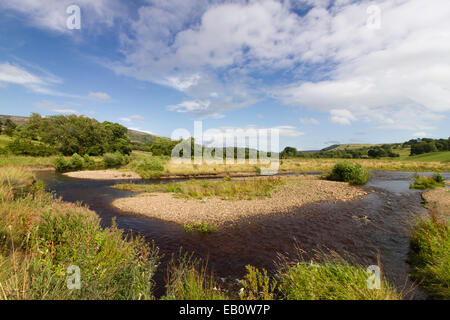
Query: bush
x=88, y=161
x=148, y=167
x=61, y=164
x=112, y=159
x=76, y=162
x=349, y=172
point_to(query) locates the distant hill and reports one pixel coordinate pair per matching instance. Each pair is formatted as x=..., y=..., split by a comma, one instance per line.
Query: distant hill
x=135, y=136
x=351, y=146
x=144, y=138
x=19, y=120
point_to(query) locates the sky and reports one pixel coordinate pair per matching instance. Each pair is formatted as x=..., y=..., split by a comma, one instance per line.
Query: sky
x=321, y=72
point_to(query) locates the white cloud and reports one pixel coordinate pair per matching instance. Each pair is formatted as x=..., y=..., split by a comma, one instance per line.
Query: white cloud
x=403, y=66
x=135, y=117
x=52, y=15
x=99, y=96
x=309, y=121
x=421, y=135
x=37, y=79
x=341, y=116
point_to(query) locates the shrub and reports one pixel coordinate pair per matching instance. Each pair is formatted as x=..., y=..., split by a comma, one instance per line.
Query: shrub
x=148, y=168
x=112, y=159
x=76, y=162
x=200, y=227
x=88, y=161
x=349, y=172
x=61, y=164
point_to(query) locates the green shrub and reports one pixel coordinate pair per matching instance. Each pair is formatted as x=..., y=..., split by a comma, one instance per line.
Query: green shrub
x=349, y=172
x=438, y=178
x=76, y=162
x=148, y=167
x=61, y=164
x=88, y=161
x=112, y=159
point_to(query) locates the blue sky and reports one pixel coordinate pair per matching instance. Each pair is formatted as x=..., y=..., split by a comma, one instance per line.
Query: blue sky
x=322, y=72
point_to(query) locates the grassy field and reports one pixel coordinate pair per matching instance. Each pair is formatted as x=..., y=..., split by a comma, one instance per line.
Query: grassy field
x=4, y=140
x=443, y=156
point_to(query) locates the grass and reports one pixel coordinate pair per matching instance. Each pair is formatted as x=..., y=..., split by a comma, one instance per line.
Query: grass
x=442, y=156
x=423, y=182
x=200, y=189
x=200, y=227
x=4, y=140
x=331, y=279
x=40, y=237
x=430, y=245
x=189, y=280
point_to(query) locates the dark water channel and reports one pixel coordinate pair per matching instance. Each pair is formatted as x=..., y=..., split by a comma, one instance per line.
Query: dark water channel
x=377, y=223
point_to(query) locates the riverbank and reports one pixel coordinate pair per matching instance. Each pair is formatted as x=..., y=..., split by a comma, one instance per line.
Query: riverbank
x=103, y=174
x=438, y=200
x=295, y=192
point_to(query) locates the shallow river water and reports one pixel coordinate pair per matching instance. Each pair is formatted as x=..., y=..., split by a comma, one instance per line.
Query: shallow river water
x=359, y=229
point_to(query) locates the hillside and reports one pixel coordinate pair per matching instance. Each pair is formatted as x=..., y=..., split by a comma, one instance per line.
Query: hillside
x=19, y=120
x=352, y=146
x=140, y=137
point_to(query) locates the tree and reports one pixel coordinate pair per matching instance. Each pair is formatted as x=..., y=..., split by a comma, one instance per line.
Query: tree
x=9, y=127
x=289, y=152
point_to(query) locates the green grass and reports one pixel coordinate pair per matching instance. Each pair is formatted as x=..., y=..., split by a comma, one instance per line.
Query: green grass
x=200, y=189
x=443, y=156
x=423, y=182
x=200, y=227
x=4, y=140
x=430, y=245
x=333, y=279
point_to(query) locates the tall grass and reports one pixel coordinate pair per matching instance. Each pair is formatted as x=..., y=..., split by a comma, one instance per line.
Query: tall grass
x=430, y=245
x=188, y=280
x=40, y=237
x=199, y=189
x=331, y=279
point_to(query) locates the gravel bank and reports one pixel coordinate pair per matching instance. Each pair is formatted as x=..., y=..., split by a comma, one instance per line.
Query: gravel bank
x=103, y=175
x=296, y=192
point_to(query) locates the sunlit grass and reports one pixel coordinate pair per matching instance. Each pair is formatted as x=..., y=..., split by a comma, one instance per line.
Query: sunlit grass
x=225, y=189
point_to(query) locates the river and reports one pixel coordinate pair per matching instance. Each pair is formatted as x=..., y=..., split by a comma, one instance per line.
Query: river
x=358, y=230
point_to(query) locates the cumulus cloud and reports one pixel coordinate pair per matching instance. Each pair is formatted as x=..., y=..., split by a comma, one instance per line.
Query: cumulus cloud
x=341, y=116
x=203, y=48
x=321, y=55
x=52, y=15
x=99, y=96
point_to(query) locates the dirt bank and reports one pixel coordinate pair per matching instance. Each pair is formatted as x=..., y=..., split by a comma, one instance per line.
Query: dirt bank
x=296, y=192
x=438, y=199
